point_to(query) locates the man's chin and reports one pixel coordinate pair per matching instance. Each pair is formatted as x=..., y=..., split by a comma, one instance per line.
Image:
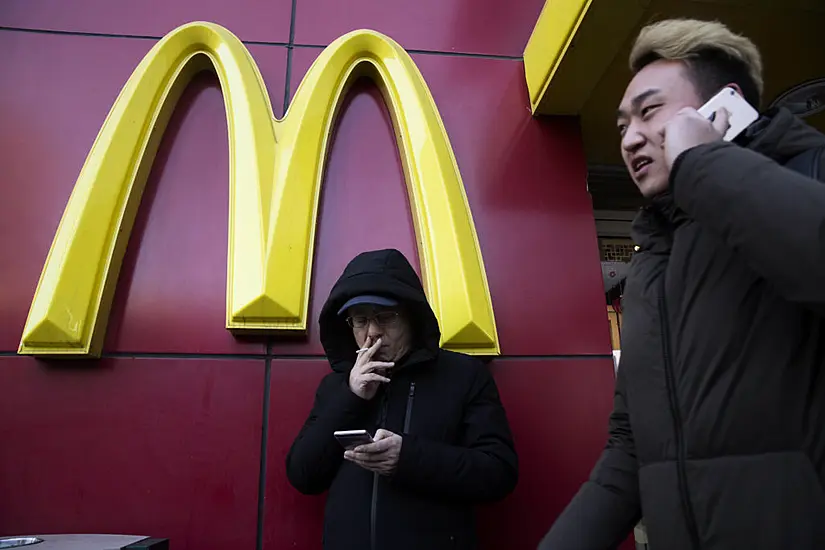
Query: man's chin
x=650, y=188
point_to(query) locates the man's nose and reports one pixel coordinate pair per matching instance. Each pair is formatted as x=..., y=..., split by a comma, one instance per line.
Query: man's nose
x=633, y=139
x=373, y=329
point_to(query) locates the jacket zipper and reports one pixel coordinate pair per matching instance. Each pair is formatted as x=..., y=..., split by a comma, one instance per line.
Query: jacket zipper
x=372, y=511
x=407, y=419
x=681, y=453
x=382, y=417
x=408, y=414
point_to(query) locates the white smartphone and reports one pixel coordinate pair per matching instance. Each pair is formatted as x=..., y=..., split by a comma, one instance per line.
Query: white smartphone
x=742, y=114
x=350, y=439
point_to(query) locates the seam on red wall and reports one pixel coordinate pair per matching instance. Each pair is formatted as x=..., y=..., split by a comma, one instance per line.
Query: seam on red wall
x=432, y=52
x=264, y=443
x=160, y=355
x=79, y=33
x=290, y=46
x=111, y=35
x=296, y=357
x=552, y=357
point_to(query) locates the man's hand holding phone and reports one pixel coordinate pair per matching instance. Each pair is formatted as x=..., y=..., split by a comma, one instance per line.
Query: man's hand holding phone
x=381, y=456
x=366, y=375
x=722, y=117
x=689, y=129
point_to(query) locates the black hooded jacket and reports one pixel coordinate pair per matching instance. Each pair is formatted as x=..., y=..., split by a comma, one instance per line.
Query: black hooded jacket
x=457, y=450
x=717, y=435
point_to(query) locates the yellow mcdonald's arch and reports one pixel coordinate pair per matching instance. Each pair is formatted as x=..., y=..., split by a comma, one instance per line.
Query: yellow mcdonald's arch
x=276, y=169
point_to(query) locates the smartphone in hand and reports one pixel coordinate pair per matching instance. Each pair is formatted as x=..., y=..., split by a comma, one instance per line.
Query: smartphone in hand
x=742, y=114
x=350, y=439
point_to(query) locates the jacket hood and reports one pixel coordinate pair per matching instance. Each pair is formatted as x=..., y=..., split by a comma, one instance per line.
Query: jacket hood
x=780, y=135
x=385, y=273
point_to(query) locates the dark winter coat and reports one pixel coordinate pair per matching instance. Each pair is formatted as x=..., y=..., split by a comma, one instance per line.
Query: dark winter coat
x=457, y=450
x=717, y=435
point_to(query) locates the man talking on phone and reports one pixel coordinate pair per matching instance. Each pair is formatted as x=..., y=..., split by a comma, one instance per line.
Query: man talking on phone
x=718, y=427
x=442, y=443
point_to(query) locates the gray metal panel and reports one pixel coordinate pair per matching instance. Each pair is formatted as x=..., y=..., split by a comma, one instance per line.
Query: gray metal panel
x=82, y=542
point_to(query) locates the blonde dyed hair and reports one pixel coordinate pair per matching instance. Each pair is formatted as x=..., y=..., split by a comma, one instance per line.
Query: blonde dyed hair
x=691, y=40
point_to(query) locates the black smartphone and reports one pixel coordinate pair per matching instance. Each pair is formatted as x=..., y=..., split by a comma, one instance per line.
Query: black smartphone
x=350, y=439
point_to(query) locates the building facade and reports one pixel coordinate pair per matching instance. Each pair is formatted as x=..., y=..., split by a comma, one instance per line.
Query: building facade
x=137, y=398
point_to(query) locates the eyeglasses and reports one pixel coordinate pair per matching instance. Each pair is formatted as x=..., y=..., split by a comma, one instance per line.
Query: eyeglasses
x=383, y=319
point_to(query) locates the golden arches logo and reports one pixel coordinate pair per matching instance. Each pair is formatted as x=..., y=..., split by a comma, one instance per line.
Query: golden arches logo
x=276, y=169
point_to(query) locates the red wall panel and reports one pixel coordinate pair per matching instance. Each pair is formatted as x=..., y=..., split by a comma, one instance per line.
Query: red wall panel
x=555, y=454
x=162, y=447
x=255, y=20
x=363, y=201
x=53, y=99
x=525, y=180
x=470, y=26
x=291, y=520
x=172, y=293
x=558, y=410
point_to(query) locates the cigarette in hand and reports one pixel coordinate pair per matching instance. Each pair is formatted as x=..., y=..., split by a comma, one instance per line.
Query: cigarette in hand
x=367, y=345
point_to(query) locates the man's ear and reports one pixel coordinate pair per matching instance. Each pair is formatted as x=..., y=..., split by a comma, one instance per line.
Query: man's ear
x=736, y=87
